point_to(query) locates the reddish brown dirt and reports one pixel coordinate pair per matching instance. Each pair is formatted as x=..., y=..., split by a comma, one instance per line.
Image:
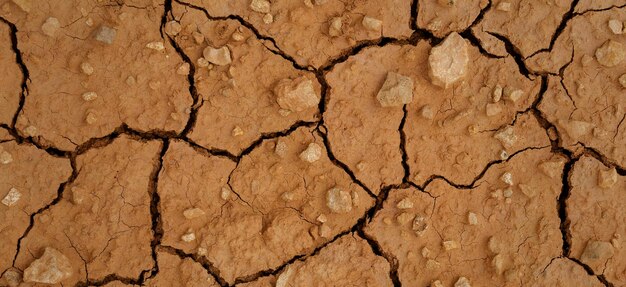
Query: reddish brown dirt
x=312, y=143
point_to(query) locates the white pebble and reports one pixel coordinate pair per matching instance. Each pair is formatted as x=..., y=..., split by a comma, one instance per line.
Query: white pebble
x=372, y=24
x=312, y=153
x=193, y=213
x=405, y=204
x=218, y=56
x=5, y=157
x=397, y=90
x=156, y=46
x=449, y=60
x=616, y=26
x=12, y=197
x=188, y=237
x=472, y=219
x=507, y=178
x=261, y=6
x=89, y=96
x=338, y=201
x=86, y=68
x=50, y=27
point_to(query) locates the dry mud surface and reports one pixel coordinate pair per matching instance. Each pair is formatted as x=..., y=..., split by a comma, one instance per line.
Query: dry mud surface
x=313, y=143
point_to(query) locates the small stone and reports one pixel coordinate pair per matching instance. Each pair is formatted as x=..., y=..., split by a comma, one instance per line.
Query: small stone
x=513, y=94
x=372, y=24
x=419, y=225
x=172, y=28
x=91, y=118
x=89, y=96
x=425, y=252
x=616, y=26
x=506, y=136
x=296, y=95
x=89, y=22
x=78, y=195
x=287, y=196
x=237, y=131
x=50, y=27
x=325, y=231
x=225, y=193
x=622, y=80
x=611, y=53
x=450, y=245
x=507, y=178
x=183, y=69
x=397, y=90
x=498, y=263
x=5, y=157
x=607, y=178
x=158, y=46
x=268, y=18
x=449, y=60
x=261, y=6
x=12, y=276
x=472, y=219
x=312, y=153
x=496, y=194
x=597, y=253
x=131, y=81
x=197, y=37
x=283, y=278
x=493, y=245
x=427, y=112
x=504, y=6
x=51, y=268
x=334, y=27
x=188, y=237
x=405, y=204
x=504, y=155
x=237, y=37
x=193, y=213
x=217, y=56
x=281, y=148
x=339, y=201
x=202, y=62
x=31, y=131
x=493, y=109
x=432, y=264
x=322, y=218
x=106, y=34
x=507, y=193
x=12, y=197
x=436, y=283
x=462, y=282
x=496, y=94
x=86, y=68
x=405, y=218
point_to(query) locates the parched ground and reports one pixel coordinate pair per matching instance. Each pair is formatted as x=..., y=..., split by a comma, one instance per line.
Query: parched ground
x=312, y=143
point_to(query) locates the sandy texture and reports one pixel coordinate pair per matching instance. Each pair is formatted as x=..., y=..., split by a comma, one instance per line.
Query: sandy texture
x=266, y=143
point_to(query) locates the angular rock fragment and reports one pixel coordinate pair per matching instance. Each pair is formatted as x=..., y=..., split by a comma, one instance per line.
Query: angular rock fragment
x=372, y=24
x=50, y=27
x=218, y=56
x=51, y=268
x=448, y=61
x=12, y=197
x=397, y=90
x=338, y=200
x=607, y=178
x=296, y=95
x=312, y=153
x=611, y=53
x=105, y=34
x=616, y=26
x=261, y=6
x=334, y=27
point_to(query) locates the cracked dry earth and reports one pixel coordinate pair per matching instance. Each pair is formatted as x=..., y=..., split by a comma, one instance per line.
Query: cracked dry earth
x=312, y=143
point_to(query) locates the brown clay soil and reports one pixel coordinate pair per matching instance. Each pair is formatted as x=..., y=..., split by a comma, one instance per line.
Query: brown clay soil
x=313, y=143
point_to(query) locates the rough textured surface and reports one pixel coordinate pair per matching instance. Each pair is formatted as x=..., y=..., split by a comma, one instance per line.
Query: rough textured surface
x=251, y=221
x=102, y=222
x=127, y=76
x=597, y=232
x=36, y=176
x=441, y=17
x=240, y=95
x=305, y=31
x=543, y=16
x=268, y=143
x=435, y=240
x=345, y=262
x=582, y=113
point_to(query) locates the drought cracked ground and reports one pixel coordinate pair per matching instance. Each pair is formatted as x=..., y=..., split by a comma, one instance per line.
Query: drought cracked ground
x=312, y=143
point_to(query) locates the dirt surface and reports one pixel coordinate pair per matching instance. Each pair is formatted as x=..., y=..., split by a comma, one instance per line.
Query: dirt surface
x=312, y=143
